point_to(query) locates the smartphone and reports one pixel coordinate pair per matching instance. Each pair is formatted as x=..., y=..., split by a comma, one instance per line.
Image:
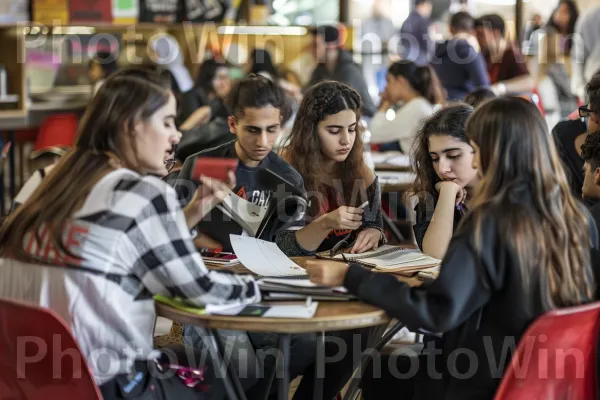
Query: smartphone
x=216, y=168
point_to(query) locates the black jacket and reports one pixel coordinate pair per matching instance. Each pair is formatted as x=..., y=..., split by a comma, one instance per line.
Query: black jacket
x=346, y=71
x=478, y=303
x=564, y=134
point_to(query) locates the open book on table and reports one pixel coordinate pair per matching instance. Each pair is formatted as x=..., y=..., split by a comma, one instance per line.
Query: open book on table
x=235, y=215
x=394, y=259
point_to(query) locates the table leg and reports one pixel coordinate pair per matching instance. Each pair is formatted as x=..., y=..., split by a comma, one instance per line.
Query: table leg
x=395, y=231
x=284, y=380
x=319, y=367
x=233, y=388
x=376, y=342
x=230, y=367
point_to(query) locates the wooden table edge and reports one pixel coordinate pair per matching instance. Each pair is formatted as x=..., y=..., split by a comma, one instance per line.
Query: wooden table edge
x=275, y=325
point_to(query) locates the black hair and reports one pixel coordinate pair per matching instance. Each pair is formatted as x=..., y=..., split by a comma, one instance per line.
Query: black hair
x=479, y=96
x=419, y=2
x=107, y=61
x=206, y=74
x=492, y=21
x=330, y=33
x=573, y=16
x=462, y=21
x=422, y=78
x=262, y=62
x=592, y=89
x=590, y=150
x=256, y=91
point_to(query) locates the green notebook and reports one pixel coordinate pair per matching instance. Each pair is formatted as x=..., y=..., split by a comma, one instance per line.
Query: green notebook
x=179, y=304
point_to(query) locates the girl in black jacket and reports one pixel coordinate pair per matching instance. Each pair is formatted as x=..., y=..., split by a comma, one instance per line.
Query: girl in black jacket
x=523, y=249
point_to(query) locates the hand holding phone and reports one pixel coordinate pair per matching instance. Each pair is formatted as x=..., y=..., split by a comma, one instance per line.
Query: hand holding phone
x=216, y=168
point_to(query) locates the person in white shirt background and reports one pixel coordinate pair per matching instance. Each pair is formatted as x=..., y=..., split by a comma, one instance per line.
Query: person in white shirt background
x=410, y=95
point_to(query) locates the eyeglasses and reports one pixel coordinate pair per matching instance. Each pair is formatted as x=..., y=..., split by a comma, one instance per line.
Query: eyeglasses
x=169, y=164
x=584, y=111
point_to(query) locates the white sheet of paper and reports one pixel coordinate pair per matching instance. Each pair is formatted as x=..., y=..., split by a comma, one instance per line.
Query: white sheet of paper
x=263, y=258
x=292, y=311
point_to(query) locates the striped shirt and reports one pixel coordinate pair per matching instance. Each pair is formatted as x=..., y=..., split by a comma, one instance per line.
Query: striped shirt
x=132, y=234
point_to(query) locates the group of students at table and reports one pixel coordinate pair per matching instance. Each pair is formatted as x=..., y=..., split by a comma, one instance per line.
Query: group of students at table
x=104, y=231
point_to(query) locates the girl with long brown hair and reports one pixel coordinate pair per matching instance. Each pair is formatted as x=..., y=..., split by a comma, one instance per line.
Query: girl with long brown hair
x=445, y=178
x=326, y=148
x=102, y=234
x=524, y=249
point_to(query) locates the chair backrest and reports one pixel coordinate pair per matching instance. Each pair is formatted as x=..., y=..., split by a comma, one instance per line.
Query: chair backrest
x=556, y=357
x=39, y=359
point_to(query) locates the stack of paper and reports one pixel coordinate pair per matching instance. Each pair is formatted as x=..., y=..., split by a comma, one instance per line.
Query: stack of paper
x=299, y=289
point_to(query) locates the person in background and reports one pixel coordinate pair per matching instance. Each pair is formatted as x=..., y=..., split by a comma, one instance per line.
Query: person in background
x=458, y=62
x=590, y=153
x=410, y=95
x=334, y=63
x=535, y=23
x=100, y=67
x=164, y=50
x=585, y=52
x=505, y=266
x=563, y=21
x=506, y=65
x=114, y=236
x=326, y=148
x=416, y=44
x=570, y=135
x=445, y=180
x=206, y=101
x=478, y=97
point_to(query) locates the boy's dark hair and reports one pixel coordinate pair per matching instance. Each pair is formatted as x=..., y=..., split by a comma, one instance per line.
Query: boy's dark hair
x=592, y=90
x=462, y=21
x=479, y=96
x=590, y=150
x=419, y=2
x=256, y=91
x=492, y=21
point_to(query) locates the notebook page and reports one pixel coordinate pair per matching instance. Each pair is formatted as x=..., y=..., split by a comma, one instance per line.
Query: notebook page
x=263, y=258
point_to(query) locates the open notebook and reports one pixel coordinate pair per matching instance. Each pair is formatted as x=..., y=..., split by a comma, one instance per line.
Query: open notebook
x=389, y=259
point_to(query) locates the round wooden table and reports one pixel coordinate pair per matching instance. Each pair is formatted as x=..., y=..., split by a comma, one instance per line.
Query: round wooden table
x=330, y=316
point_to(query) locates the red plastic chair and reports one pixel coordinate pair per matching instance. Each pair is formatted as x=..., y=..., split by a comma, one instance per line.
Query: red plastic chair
x=556, y=357
x=39, y=359
x=57, y=133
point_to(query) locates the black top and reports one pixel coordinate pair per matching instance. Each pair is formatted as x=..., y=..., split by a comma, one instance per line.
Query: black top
x=564, y=134
x=249, y=183
x=474, y=301
x=423, y=216
x=595, y=212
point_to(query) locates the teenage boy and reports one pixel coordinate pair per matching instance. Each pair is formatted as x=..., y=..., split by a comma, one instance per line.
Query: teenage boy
x=590, y=152
x=258, y=109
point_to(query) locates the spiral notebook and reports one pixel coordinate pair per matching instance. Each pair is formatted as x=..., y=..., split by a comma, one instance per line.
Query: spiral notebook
x=389, y=259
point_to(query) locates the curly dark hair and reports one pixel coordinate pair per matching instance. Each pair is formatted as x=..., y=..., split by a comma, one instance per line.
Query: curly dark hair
x=451, y=121
x=303, y=150
x=590, y=150
x=592, y=90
